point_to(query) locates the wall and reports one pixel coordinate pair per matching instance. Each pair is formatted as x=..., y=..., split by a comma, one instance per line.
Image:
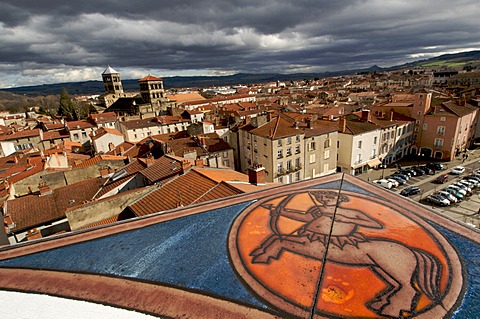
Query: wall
x=95, y=212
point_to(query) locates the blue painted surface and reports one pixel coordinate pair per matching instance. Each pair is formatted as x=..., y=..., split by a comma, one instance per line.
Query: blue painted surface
x=470, y=254
x=189, y=252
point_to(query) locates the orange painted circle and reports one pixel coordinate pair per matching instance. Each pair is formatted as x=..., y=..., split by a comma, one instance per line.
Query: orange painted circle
x=291, y=282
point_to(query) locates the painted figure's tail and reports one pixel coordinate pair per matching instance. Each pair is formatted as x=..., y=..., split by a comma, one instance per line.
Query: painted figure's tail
x=429, y=271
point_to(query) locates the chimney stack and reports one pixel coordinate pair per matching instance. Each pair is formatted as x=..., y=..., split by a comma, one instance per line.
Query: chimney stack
x=256, y=175
x=149, y=160
x=185, y=165
x=366, y=116
x=44, y=189
x=342, y=125
x=199, y=163
x=105, y=171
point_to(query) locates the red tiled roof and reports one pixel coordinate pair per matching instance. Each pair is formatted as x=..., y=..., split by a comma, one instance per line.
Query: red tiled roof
x=21, y=134
x=149, y=78
x=75, y=125
x=163, y=168
x=94, y=160
x=33, y=210
x=53, y=135
x=181, y=191
x=104, y=117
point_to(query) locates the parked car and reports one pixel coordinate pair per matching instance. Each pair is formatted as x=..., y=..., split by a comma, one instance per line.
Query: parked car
x=406, y=172
x=419, y=171
x=427, y=170
x=448, y=196
x=454, y=192
x=467, y=183
x=476, y=178
x=458, y=170
x=463, y=186
x=438, y=200
x=393, y=181
x=458, y=189
x=436, y=166
x=404, y=176
x=472, y=181
x=400, y=180
x=441, y=179
x=410, y=190
x=384, y=183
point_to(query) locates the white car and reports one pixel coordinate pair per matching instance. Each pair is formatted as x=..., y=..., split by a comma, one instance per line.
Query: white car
x=448, y=196
x=458, y=170
x=384, y=183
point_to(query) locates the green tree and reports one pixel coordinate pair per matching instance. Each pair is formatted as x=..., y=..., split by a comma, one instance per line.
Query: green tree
x=66, y=107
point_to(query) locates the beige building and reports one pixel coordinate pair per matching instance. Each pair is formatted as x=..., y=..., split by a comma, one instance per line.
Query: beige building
x=288, y=151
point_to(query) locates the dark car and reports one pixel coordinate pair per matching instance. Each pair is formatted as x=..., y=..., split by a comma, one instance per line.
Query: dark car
x=436, y=166
x=410, y=190
x=441, y=179
x=400, y=180
x=407, y=172
x=419, y=171
x=404, y=176
x=427, y=170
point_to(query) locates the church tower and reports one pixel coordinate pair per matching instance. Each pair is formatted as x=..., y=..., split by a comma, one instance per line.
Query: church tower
x=111, y=81
x=152, y=91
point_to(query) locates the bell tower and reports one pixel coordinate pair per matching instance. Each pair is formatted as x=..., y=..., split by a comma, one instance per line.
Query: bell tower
x=111, y=81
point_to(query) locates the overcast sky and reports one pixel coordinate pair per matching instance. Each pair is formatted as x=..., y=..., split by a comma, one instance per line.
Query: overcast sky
x=61, y=41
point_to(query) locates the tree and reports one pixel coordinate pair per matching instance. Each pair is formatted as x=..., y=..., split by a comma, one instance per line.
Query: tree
x=66, y=108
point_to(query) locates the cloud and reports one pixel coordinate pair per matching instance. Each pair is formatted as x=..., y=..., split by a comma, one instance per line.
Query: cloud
x=68, y=41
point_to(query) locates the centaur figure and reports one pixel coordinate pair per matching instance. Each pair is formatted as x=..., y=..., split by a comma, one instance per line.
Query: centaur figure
x=407, y=271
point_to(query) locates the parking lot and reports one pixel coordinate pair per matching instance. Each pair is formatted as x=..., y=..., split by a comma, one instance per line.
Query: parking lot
x=466, y=210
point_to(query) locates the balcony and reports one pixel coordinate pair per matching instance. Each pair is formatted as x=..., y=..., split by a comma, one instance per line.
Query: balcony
x=285, y=171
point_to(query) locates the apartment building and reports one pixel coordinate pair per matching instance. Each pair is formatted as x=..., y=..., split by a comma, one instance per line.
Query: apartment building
x=289, y=151
x=358, y=145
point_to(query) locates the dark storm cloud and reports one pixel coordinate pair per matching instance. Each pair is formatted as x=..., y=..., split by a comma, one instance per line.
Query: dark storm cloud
x=243, y=36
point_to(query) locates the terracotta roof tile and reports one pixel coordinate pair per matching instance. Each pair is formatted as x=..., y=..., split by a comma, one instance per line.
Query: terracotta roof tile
x=149, y=78
x=33, y=210
x=75, y=125
x=21, y=134
x=163, y=168
x=181, y=191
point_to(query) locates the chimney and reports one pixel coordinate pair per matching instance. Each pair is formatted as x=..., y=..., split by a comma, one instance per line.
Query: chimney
x=105, y=171
x=199, y=163
x=256, y=175
x=366, y=116
x=149, y=160
x=342, y=125
x=185, y=165
x=33, y=234
x=122, y=150
x=44, y=189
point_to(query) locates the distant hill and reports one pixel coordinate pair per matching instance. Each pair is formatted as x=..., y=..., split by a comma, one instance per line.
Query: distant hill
x=457, y=60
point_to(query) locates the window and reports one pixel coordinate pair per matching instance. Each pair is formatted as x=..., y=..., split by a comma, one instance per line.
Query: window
x=417, y=122
x=440, y=130
x=225, y=154
x=279, y=154
x=75, y=136
x=312, y=158
x=297, y=138
x=289, y=140
x=297, y=176
x=289, y=151
x=375, y=140
x=297, y=149
x=326, y=154
x=279, y=168
x=326, y=167
x=297, y=162
x=419, y=113
x=438, y=143
x=311, y=146
x=425, y=126
x=392, y=134
x=280, y=179
x=443, y=119
x=289, y=165
x=84, y=135
x=359, y=158
x=279, y=143
x=359, y=144
x=326, y=143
